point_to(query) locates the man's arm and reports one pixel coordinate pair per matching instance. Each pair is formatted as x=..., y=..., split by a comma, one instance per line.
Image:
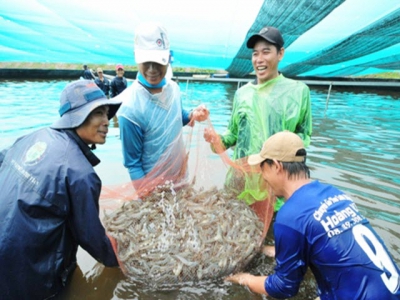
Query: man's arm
x=132, y=147
x=199, y=114
x=255, y=283
x=113, y=89
x=84, y=221
x=290, y=269
x=221, y=142
x=304, y=127
x=291, y=261
x=185, y=117
x=229, y=137
x=91, y=74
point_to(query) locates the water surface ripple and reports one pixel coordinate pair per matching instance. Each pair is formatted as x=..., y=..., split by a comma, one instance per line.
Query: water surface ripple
x=355, y=146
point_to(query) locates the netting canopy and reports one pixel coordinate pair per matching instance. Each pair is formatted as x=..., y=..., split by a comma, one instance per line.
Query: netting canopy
x=322, y=38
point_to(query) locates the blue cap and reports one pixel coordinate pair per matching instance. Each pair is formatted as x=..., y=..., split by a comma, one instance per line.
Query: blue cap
x=78, y=100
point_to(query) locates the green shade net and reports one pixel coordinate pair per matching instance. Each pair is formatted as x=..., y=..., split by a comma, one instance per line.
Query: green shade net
x=293, y=18
x=381, y=34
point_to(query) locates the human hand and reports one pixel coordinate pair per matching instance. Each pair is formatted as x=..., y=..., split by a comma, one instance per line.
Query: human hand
x=113, y=243
x=214, y=139
x=211, y=136
x=269, y=251
x=239, y=278
x=199, y=114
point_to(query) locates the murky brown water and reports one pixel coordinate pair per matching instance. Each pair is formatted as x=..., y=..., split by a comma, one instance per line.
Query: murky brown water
x=355, y=146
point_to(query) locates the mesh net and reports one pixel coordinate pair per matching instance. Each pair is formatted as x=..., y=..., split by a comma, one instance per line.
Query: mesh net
x=385, y=32
x=185, y=235
x=187, y=225
x=316, y=32
x=292, y=22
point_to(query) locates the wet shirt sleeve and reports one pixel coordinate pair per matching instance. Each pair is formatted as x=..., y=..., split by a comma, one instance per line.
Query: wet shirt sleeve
x=185, y=113
x=113, y=89
x=132, y=147
x=304, y=126
x=291, y=263
x=185, y=117
x=229, y=137
x=85, y=224
x=106, y=86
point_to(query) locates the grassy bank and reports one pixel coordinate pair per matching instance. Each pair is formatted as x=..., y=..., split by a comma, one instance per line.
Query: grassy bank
x=105, y=67
x=109, y=67
x=386, y=75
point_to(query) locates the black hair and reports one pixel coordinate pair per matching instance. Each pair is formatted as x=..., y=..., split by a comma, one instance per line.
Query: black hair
x=294, y=169
x=278, y=48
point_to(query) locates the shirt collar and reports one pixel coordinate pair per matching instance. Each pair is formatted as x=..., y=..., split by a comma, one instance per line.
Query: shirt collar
x=93, y=159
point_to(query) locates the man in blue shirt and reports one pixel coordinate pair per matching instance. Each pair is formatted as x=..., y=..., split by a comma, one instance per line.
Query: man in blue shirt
x=102, y=82
x=119, y=83
x=151, y=117
x=318, y=227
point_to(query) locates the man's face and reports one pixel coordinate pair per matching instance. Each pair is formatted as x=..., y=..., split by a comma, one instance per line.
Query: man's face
x=272, y=175
x=153, y=72
x=95, y=128
x=265, y=60
x=120, y=72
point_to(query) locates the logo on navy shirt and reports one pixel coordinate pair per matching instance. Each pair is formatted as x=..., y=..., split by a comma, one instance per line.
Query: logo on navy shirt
x=35, y=153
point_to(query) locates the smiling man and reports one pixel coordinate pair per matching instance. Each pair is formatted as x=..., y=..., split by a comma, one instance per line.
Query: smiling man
x=49, y=200
x=269, y=104
x=151, y=117
x=119, y=82
x=321, y=228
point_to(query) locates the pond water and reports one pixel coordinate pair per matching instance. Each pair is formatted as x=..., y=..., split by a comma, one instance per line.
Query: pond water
x=354, y=146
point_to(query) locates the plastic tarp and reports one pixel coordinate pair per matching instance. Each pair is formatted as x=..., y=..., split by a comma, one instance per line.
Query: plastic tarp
x=322, y=38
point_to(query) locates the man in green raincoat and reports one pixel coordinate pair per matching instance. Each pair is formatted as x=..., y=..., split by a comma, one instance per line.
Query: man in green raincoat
x=261, y=108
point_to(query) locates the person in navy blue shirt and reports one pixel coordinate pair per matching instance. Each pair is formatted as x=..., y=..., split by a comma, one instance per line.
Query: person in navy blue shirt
x=102, y=82
x=318, y=227
x=87, y=73
x=119, y=83
x=49, y=200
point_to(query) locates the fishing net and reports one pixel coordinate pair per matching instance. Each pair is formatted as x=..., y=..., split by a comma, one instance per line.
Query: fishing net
x=187, y=224
x=185, y=235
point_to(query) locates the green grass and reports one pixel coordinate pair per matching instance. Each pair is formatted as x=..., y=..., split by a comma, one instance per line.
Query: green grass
x=111, y=67
x=386, y=75
x=105, y=67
